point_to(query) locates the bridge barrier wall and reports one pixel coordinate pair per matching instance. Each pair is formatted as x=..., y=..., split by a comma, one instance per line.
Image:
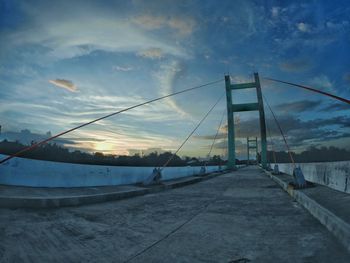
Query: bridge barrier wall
x=335, y=175
x=36, y=173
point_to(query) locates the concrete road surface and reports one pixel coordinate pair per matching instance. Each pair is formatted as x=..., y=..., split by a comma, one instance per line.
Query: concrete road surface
x=241, y=216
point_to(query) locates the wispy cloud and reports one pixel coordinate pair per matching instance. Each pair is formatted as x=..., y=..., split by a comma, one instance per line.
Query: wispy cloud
x=298, y=106
x=167, y=77
x=152, y=53
x=68, y=39
x=183, y=26
x=122, y=68
x=65, y=84
x=295, y=65
x=322, y=81
x=240, y=79
x=275, y=11
x=303, y=27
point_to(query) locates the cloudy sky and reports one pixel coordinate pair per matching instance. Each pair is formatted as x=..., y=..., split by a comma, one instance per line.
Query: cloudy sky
x=63, y=63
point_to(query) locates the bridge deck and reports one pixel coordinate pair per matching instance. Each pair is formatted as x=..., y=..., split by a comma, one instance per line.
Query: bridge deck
x=234, y=216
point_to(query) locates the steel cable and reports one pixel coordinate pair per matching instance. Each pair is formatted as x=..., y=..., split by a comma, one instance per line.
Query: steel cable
x=311, y=89
x=280, y=129
x=35, y=145
x=191, y=133
x=216, y=135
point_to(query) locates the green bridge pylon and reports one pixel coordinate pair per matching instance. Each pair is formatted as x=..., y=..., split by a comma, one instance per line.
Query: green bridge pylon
x=232, y=108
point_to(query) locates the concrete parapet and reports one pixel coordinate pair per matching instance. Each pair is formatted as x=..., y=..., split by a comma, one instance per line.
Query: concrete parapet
x=37, y=173
x=335, y=175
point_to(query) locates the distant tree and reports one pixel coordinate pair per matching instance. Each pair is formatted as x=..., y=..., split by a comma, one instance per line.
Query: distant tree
x=54, y=152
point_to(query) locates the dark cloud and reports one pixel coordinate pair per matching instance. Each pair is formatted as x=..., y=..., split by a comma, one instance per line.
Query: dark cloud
x=302, y=136
x=341, y=121
x=83, y=139
x=220, y=145
x=223, y=144
x=211, y=137
x=27, y=137
x=298, y=132
x=336, y=107
x=299, y=106
x=326, y=136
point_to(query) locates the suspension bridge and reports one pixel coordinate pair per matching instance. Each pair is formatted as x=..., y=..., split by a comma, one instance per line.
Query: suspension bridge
x=226, y=213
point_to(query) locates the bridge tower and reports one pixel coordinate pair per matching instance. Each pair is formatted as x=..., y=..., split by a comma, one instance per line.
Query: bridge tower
x=232, y=108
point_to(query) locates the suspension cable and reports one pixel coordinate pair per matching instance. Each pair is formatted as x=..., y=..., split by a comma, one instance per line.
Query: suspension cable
x=35, y=145
x=272, y=145
x=191, y=133
x=281, y=131
x=224, y=149
x=311, y=89
x=216, y=135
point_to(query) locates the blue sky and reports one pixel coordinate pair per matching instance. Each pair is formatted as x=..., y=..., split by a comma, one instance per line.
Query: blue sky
x=66, y=62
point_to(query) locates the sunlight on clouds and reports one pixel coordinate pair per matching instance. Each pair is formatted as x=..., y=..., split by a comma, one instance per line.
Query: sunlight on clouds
x=105, y=147
x=65, y=84
x=184, y=26
x=126, y=52
x=68, y=39
x=152, y=53
x=118, y=142
x=303, y=27
x=93, y=106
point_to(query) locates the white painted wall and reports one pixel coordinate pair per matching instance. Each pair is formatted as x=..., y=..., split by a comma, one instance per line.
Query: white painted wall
x=335, y=175
x=27, y=172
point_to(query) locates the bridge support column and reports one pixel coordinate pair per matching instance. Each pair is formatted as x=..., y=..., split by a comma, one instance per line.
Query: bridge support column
x=231, y=162
x=262, y=122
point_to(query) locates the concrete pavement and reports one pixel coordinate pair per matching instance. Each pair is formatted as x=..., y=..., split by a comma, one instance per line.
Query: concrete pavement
x=238, y=217
x=43, y=197
x=330, y=207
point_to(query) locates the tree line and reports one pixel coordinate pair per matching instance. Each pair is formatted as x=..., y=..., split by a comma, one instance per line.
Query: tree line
x=57, y=153
x=312, y=154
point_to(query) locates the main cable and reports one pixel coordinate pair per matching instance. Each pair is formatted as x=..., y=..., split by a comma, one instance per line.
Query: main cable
x=191, y=133
x=35, y=145
x=311, y=89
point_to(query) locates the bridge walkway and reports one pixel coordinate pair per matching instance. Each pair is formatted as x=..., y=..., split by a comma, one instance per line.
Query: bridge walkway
x=236, y=216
